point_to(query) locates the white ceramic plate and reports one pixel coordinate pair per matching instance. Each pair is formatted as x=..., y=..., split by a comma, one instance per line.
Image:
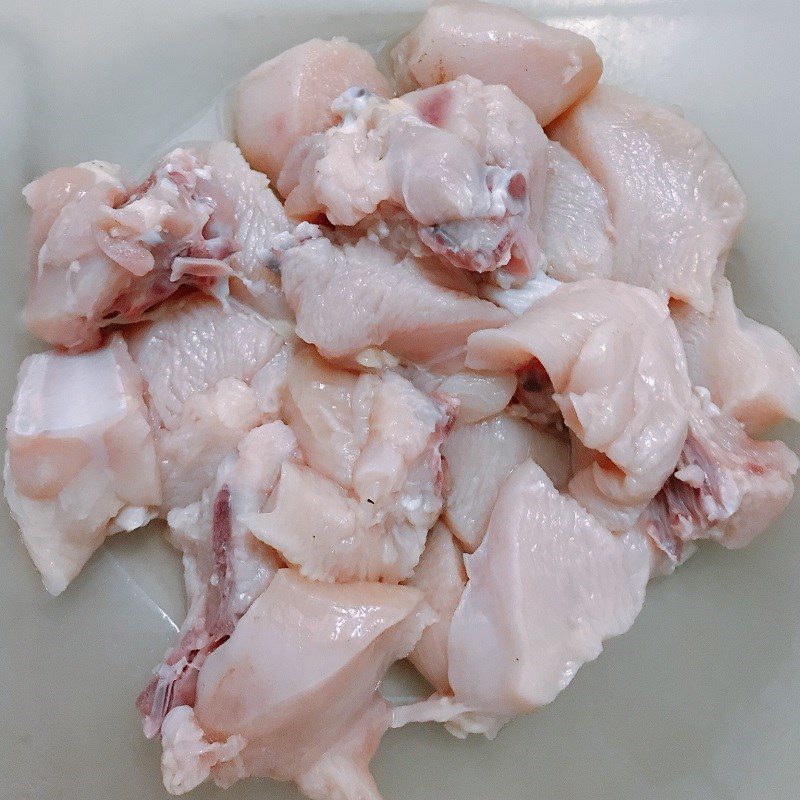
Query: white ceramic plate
x=699, y=701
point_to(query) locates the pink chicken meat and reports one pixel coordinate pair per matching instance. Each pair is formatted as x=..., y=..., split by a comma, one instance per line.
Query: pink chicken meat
x=454, y=391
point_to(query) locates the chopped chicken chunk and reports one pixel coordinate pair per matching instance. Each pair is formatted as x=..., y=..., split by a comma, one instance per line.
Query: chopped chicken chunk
x=727, y=486
x=577, y=235
x=619, y=375
x=752, y=372
x=81, y=462
x=441, y=577
x=290, y=96
x=466, y=162
x=362, y=508
x=292, y=692
x=675, y=203
x=479, y=459
x=353, y=298
x=547, y=68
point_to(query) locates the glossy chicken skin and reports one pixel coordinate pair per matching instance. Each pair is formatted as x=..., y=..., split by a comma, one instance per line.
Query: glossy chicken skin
x=296, y=681
x=81, y=461
x=464, y=161
x=290, y=96
x=547, y=68
x=675, y=203
x=619, y=374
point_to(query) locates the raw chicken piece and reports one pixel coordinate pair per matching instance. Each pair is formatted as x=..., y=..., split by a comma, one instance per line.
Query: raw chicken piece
x=249, y=212
x=479, y=394
x=292, y=691
x=197, y=358
x=675, y=204
x=226, y=567
x=465, y=162
x=619, y=374
x=290, y=96
x=112, y=252
x=191, y=345
x=518, y=299
x=546, y=587
x=577, y=235
x=374, y=489
x=353, y=298
x=752, y=372
x=727, y=487
x=547, y=68
x=103, y=252
x=441, y=577
x=80, y=462
x=481, y=456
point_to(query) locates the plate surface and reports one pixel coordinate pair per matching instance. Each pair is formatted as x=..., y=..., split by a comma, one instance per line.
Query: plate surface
x=700, y=700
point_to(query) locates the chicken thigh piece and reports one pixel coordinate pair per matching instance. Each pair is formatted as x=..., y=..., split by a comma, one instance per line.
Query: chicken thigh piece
x=466, y=163
x=675, y=204
x=292, y=694
x=546, y=587
x=479, y=459
x=752, y=372
x=104, y=252
x=547, y=68
x=727, y=486
x=81, y=462
x=619, y=374
x=225, y=566
x=351, y=301
x=372, y=489
x=290, y=96
x=198, y=358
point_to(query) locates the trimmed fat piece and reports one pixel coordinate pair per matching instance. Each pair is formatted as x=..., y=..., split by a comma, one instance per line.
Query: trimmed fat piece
x=292, y=692
x=577, y=234
x=352, y=299
x=441, y=577
x=198, y=358
x=372, y=489
x=675, y=203
x=290, y=96
x=727, y=487
x=104, y=252
x=225, y=566
x=80, y=462
x=479, y=459
x=547, y=68
x=752, y=372
x=466, y=162
x=619, y=374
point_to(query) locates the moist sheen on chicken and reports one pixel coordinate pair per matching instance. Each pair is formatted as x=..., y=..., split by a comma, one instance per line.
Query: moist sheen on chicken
x=403, y=374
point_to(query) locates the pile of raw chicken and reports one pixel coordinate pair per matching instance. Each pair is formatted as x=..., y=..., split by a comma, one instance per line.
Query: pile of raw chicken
x=446, y=372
